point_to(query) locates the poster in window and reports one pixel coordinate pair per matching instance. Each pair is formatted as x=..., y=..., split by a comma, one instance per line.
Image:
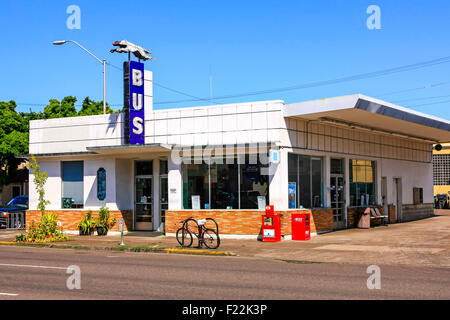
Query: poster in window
x=261, y=202
x=292, y=195
x=195, y=202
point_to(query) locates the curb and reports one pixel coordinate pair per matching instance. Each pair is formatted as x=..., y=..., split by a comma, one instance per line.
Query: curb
x=7, y=243
x=119, y=248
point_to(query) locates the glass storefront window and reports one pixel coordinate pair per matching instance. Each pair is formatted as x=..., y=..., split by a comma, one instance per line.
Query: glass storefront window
x=72, y=184
x=226, y=183
x=195, y=183
x=254, y=183
x=305, y=175
x=362, y=182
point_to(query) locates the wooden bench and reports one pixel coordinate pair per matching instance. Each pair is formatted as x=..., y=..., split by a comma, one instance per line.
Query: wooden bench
x=369, y=215
x=376, y=216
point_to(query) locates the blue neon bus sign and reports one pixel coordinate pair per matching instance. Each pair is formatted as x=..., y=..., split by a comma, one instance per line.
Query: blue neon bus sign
x=134, y=102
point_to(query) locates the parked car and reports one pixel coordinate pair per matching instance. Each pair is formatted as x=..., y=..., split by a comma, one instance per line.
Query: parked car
x=17, y=204
x=441, y=201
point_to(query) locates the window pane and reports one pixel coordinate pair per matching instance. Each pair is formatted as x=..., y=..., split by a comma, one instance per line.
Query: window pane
x=362, y=183
x=307, y=174
x=163, y=167
x=360, y=174
x=224, y=185
x=316, y=182
x=304, y=189
x=195, y=182
x=336, y=166
x=144, y=168
x=293, y=178
x=254, y=183
x=143, y=190
x=353, y=200
x=72, y=184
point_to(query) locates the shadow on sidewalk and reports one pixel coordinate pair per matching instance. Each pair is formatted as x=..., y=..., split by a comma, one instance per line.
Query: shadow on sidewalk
x=148, y=234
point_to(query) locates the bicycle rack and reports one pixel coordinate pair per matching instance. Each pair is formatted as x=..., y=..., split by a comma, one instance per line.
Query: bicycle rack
x=16, y=220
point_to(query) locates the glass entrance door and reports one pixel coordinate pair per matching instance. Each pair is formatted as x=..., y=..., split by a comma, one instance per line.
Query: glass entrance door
x=338, y=200
x=143, y=203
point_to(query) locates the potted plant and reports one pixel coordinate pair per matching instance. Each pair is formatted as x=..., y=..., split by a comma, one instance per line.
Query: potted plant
x=104, y=221
x=86, y=225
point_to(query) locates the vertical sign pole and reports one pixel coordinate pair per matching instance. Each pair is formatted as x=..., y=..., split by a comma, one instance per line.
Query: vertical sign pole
x=121, y=231
x=104, y=86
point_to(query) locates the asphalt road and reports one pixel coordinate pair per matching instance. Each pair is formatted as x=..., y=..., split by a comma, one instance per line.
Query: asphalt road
x=40, y=273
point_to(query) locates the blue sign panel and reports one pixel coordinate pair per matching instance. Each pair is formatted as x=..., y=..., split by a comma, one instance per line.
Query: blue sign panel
x=292, y=195
x=136, y=103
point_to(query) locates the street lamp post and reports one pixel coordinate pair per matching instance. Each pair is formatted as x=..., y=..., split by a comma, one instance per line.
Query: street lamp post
x=60, y=42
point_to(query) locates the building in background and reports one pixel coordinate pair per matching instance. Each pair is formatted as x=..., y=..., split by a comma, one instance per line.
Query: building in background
x=17, y=187
x=441, y=173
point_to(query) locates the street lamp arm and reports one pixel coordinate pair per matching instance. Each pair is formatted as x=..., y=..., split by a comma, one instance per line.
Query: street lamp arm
x=103, y=62
x=85, y=50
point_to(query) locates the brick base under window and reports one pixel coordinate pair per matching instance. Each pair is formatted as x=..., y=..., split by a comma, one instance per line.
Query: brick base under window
x=70, y=218
x=248, y=222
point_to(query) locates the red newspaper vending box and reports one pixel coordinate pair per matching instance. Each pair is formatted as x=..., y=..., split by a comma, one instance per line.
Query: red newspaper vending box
x=271, y=226
x=300, y=226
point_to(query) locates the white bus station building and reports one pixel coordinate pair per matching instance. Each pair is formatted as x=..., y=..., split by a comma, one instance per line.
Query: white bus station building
x=331, y=157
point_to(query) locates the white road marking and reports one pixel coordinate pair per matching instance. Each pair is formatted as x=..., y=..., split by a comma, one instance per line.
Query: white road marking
x=30, y=266
x=8, y=294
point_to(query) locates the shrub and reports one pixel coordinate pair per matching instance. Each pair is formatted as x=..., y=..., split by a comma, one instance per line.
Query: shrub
x=44, y=231
x=87, y=224
x=104, y=219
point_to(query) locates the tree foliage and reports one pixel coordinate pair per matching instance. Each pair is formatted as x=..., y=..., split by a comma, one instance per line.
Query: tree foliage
x=66, y=108
x=13, y=140
x=14, y=128
x=91, y=107
x=40, y=178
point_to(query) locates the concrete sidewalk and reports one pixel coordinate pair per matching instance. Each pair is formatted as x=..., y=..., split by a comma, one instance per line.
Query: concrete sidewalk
x=421, y=243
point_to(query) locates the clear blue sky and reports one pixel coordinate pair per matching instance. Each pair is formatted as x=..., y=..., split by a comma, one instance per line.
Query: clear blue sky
x=248, y=46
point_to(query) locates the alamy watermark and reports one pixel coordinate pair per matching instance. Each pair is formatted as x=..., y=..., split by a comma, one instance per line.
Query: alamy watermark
x=252, y=153
x=74, y=19
x=374, y=280
x=374, y=20
x=74, y=280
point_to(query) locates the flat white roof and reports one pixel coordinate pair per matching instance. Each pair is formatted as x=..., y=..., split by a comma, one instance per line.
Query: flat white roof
x=372, y=113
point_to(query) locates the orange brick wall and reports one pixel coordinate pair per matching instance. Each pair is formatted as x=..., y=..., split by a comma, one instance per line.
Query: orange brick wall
x=70, y=218
x=248, y=222
x=322, y=220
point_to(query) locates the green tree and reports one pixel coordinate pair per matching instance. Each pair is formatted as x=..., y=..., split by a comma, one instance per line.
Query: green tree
x=14, y=128
x=66, y=108
x=40, y=178
x=13, y=140
x=91, y=107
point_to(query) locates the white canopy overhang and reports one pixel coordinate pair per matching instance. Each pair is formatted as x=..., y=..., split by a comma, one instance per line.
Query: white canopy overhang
x=131, y=148
x=366, y=113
